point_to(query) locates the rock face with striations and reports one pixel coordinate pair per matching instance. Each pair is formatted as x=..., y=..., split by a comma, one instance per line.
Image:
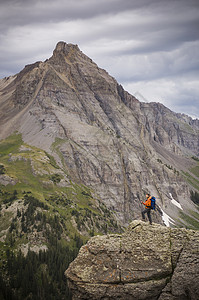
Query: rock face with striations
x=145, y=263
x=100, y=134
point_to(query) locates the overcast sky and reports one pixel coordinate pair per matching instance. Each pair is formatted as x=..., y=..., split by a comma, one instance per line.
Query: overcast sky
x=151, y=47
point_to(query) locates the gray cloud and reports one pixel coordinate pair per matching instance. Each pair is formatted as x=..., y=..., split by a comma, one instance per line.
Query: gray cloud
x=22, y=12
x=150, y=46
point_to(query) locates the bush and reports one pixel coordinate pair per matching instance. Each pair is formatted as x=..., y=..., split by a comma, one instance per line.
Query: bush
x=56, y=178
x=2, y=169
x=195, y=197
x=195, y=158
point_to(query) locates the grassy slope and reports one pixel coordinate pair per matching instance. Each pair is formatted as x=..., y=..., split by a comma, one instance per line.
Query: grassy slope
x=35, y=173
x=191, y=220
x=41, y=208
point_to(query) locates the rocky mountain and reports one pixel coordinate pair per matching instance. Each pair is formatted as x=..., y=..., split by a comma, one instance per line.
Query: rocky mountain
x=145, y=262
x=77, y=154
x=103, y=137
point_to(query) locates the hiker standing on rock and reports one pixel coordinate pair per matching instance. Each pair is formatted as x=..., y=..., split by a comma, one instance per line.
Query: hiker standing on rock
x=147, y=210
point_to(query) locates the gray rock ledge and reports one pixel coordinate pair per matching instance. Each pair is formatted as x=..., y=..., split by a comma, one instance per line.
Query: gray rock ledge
x=145, y=263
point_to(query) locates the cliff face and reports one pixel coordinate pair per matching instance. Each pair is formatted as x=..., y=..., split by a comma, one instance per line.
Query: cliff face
x=146, y=262
x=100, y=134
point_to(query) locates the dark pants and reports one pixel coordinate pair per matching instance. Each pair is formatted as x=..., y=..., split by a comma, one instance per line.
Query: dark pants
x=148, y=212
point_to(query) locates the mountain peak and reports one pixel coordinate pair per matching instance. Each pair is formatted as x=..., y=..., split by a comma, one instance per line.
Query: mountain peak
x=68, y=53
x=65, y=48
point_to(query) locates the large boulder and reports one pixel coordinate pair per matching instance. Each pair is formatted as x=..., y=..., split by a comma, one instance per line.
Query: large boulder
x=146, y=262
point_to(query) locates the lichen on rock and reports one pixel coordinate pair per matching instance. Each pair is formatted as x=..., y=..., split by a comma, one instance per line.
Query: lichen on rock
x=145, y=262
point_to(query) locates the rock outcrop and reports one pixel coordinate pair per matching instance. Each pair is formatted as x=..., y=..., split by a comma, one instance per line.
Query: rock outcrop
x=145, y=263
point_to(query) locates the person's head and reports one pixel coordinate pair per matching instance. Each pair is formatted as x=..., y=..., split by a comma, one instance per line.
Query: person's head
x=147, y=195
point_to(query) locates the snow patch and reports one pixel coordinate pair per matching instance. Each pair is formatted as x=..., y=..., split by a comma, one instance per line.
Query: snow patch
x=175, y=202
x=166, y=219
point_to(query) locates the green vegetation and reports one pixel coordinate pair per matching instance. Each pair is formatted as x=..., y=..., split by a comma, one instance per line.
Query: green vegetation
x=192, y=176
x=195, y=158
x=56, y=178
x=168, y=166
x=38, y=275
x=191, y=222
x=52, y=160
x=55, y=147
x=159, y=160
x=195, y=215
x=38, y=212
x=195, y=197
x=8, y=197
x=191, y=179
x=195, y=171
x=11, y=144
x=2, y=169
